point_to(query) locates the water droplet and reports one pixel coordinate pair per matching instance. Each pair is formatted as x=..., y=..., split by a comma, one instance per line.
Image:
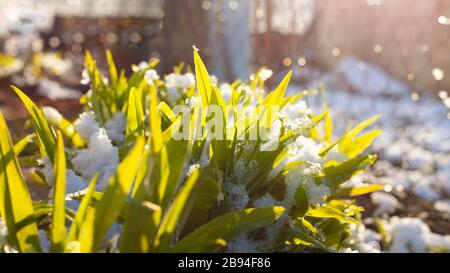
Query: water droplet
x=206, y=5
x=378, y=48
x=287, y=61
x=335, y=51
x=388, y=188
x=443, y=94
x=301, y=61
x=438, y=74
x=410, y=76
x=233, y=5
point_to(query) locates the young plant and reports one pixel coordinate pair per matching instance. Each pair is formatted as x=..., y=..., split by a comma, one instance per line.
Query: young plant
x=181, y=164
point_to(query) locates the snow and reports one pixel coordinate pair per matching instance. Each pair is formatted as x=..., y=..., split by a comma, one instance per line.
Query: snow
x=150, y=76
x=237, y=196
x=74, y=183
x=115, y=128
x=241, y=244
x=265, y=201
x=370, y=78
x=3, y=232
x=226, y=91
x=264, y=74
x=100, y=157
x=413, y=235
x=53, y=63
x=45, y=242
x=182, y=81
x=443, y=206
x=86, y=125
x=386, y=203
x=363, y=240
x=54, y=91
x=52, y=115
x=425, y=191
x=304, y=149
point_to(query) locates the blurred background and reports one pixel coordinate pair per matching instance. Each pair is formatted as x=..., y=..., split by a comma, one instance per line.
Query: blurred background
x=371, y=56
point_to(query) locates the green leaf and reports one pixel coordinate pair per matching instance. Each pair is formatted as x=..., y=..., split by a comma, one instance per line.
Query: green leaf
x=301, y=202
x=109, y=207
x=168, y=113
x=226, y=227
x=276, y=96
x=175, y=150
x=155, y=121
x=361, y=190
x=203, y=81
x=308, y=225
x=80, y=217
x=23, y=143
x=135, y=116
x=142, y=219
x=355, y=131
x=15, y=201
x=46, y=138
x=343, y=171
x=58, y=231
x=68, y=129
x=112, y=67
x=330, y=212
x=168, y=224
x=359, y=144
x=328, y=126
x=208, y=192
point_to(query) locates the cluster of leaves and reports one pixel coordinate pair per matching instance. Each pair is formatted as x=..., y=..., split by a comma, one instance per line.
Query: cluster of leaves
x=160, y=206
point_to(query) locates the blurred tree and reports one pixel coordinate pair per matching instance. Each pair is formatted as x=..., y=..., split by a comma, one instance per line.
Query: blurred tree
x=229, y=38
x=185, y=23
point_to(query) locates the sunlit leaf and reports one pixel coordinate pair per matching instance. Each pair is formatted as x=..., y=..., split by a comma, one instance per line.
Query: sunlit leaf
x=15, y=201
x=58, y=231
x=46, y=138
x=167, y=228
x=226, y=227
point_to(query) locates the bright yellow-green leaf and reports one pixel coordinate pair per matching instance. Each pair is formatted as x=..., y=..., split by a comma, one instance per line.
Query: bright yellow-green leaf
x=68, y=129
x=298, y=241
x=226, y=227
x=206, y=198
x=175, y=150
x=328, y=126
x=203, y=81
x=165, y=109
x=308, y=225
x=135, y=116
x=358, y=145
x=169, y=223
x=155, y=121
x=23, y=143
x=112, y=67
x=142, y=219
x=46, y=138
x=330, y=212
x=16, y=206
x=58, y=231
x=277, y=95
x=361, y=190
x=114, y=196
x=355, y=131
x=82, y=212
x=343, y=171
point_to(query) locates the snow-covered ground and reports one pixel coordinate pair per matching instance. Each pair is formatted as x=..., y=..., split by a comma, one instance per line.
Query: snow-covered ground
x=413, y=151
